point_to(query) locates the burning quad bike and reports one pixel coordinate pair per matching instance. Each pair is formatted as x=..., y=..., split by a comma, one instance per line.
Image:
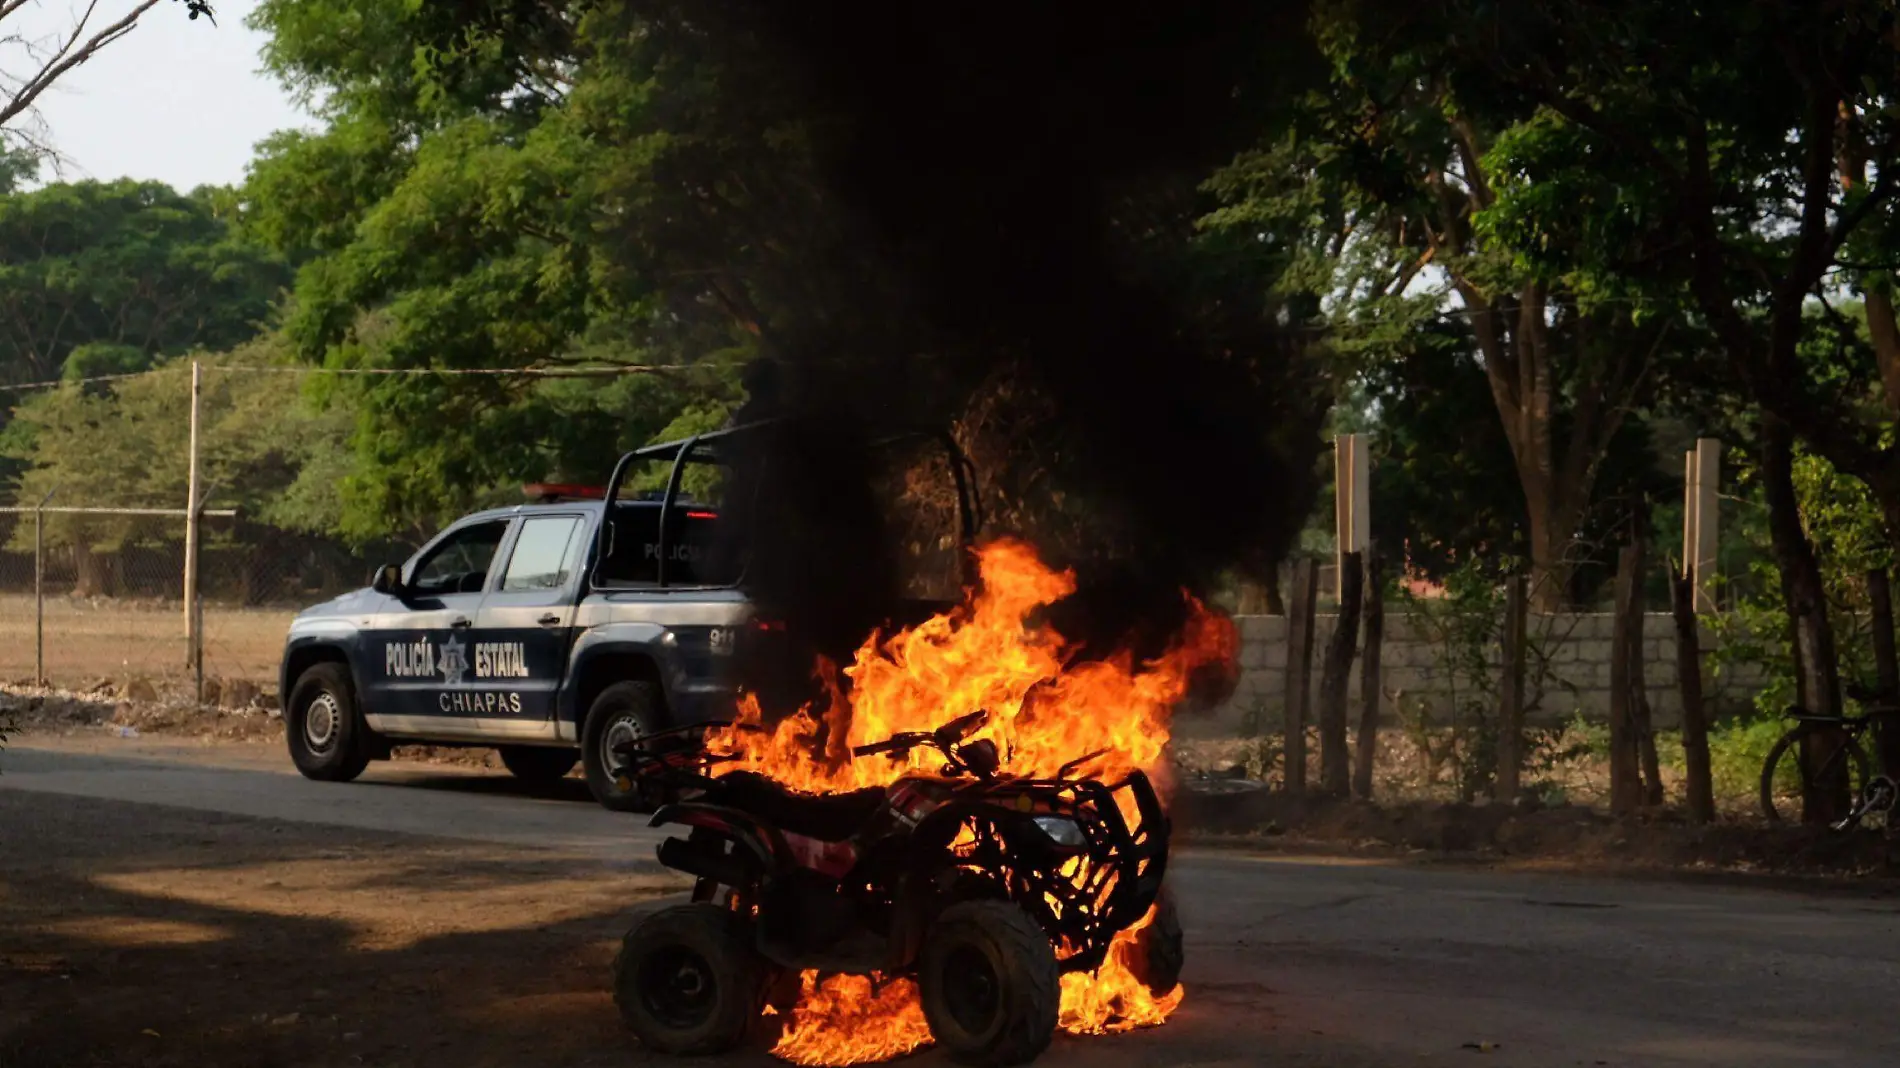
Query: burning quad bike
x=982, y=886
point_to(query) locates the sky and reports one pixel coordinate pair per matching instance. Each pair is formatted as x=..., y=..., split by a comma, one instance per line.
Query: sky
x=176, y=100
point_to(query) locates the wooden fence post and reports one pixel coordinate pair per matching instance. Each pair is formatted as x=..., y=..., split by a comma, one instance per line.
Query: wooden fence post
x=1625, y=783
x=1641, y=720
x=1512, y=649
x=1335, y=677
x=1299, y=668
x=1370, y=693
x=1700, y=787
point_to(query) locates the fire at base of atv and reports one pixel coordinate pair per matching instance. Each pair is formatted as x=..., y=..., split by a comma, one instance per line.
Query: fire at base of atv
x=1006, y=869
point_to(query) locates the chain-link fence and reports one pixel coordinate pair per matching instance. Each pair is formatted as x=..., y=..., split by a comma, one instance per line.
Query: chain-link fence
x=82, y=614
x=95, y=480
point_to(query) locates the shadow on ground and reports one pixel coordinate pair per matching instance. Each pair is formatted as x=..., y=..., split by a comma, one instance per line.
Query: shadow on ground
x=146, y=936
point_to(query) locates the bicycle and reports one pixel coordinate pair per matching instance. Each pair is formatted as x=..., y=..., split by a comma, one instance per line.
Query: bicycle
x=1783, y=787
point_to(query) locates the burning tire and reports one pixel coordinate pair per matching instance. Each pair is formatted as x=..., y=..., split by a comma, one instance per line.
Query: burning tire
x=689, y=981
x=990, y=984
x=1160, y=952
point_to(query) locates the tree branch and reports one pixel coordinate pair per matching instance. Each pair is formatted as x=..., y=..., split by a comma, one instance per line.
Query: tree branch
x=68, y=56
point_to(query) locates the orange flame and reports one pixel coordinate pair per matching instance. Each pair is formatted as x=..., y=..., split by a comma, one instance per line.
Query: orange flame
x=839, y=1021
x=1044, y=711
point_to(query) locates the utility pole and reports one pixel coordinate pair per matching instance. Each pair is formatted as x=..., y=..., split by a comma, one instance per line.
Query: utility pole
x=39, y=588
x=194, y=644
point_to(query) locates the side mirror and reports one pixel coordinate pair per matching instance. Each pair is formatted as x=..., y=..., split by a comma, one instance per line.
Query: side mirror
x=388, y=580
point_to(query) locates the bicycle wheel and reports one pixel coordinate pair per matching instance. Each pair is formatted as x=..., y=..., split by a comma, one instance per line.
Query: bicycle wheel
x=1784, y=777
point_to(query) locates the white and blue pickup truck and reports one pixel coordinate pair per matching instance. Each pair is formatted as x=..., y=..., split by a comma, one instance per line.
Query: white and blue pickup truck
x=551, y=631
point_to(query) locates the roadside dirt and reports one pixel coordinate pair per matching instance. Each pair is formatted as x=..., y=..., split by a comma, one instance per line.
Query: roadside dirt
x=149, y=937
x=110, y=708
x=1570, y=837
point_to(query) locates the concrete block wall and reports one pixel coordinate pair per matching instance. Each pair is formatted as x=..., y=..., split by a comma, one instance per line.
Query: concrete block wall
x=1413, y=666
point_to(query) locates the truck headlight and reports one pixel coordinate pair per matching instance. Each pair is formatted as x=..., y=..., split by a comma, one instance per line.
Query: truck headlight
x=1063, y=832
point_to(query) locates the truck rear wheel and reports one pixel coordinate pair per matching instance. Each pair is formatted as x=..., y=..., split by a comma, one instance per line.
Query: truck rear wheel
x=327, y=736
x=622, y=712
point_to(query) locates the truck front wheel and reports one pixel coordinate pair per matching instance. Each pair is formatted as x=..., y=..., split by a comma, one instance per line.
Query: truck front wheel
x=328, y=739
x=622, y=712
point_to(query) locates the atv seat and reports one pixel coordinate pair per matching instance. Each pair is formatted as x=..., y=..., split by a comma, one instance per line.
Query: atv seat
x=826, y=817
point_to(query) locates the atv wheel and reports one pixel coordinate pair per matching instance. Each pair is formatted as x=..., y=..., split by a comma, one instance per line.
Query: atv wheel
x=1159, y=953
x=990, y=984
x=327, y=737
x=623, y=711
x=533, y=763
x=689, y=981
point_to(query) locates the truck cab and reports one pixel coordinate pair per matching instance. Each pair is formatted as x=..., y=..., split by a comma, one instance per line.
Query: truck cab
x=551, y=631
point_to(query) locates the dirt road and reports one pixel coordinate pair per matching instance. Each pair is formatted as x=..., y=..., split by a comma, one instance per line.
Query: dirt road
x=178, y=904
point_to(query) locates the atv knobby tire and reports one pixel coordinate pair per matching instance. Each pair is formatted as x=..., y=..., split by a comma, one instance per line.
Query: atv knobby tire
x=990, y=985
x=689, y=980
x=1159, y=952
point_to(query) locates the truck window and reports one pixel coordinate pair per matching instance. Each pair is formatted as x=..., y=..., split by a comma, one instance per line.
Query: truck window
x=696, y=556
x=460, y=564
x=544, y=554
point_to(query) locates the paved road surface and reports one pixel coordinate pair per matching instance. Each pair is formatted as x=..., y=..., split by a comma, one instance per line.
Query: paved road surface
x=1291, y=962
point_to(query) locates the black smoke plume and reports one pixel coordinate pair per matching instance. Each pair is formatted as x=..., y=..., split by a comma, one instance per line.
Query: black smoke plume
x=993, y=164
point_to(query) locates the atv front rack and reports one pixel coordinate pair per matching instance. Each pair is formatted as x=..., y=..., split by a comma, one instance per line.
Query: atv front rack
x=1083, y=897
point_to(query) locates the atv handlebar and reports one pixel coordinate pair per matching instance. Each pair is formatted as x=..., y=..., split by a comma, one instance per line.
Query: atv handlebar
x=944, y=737
x=896, y=743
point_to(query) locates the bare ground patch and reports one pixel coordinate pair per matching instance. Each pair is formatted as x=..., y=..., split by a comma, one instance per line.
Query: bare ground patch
x=153, y=937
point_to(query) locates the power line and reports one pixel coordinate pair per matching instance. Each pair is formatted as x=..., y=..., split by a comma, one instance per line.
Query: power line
x=611, y=371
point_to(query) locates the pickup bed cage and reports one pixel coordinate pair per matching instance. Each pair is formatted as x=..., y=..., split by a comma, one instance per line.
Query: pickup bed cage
x=704, y=449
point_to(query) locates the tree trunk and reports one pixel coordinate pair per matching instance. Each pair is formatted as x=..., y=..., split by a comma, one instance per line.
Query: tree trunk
x=1299, y=666
x=1817, y=678
x=1511, y=691
x=95, y=574
x=1334, y=763
x=1700, y=786
x=1551, y=564
x=1625, y=784
x=1887, y=667
x=1370, y=694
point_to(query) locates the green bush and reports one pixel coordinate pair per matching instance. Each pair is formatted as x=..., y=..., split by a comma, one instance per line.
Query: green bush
x=1736, y=752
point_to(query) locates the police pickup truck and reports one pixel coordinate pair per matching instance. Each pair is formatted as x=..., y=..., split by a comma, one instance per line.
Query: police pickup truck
x=551, y=631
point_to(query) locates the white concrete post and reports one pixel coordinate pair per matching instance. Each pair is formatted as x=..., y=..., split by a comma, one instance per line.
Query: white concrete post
x=1701, y=518
x=1352, y=511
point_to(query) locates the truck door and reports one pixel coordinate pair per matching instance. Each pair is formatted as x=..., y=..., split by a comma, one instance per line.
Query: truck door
x=420, y=653
x=522, y=634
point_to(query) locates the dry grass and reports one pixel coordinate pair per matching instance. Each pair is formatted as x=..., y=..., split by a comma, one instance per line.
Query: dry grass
x=107, y=639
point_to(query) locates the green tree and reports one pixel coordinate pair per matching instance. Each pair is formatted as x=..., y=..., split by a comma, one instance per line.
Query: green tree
x=128, y=271
x=125, y=446
x=1380, y=185
x=1739, y=158
x=567, y=187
